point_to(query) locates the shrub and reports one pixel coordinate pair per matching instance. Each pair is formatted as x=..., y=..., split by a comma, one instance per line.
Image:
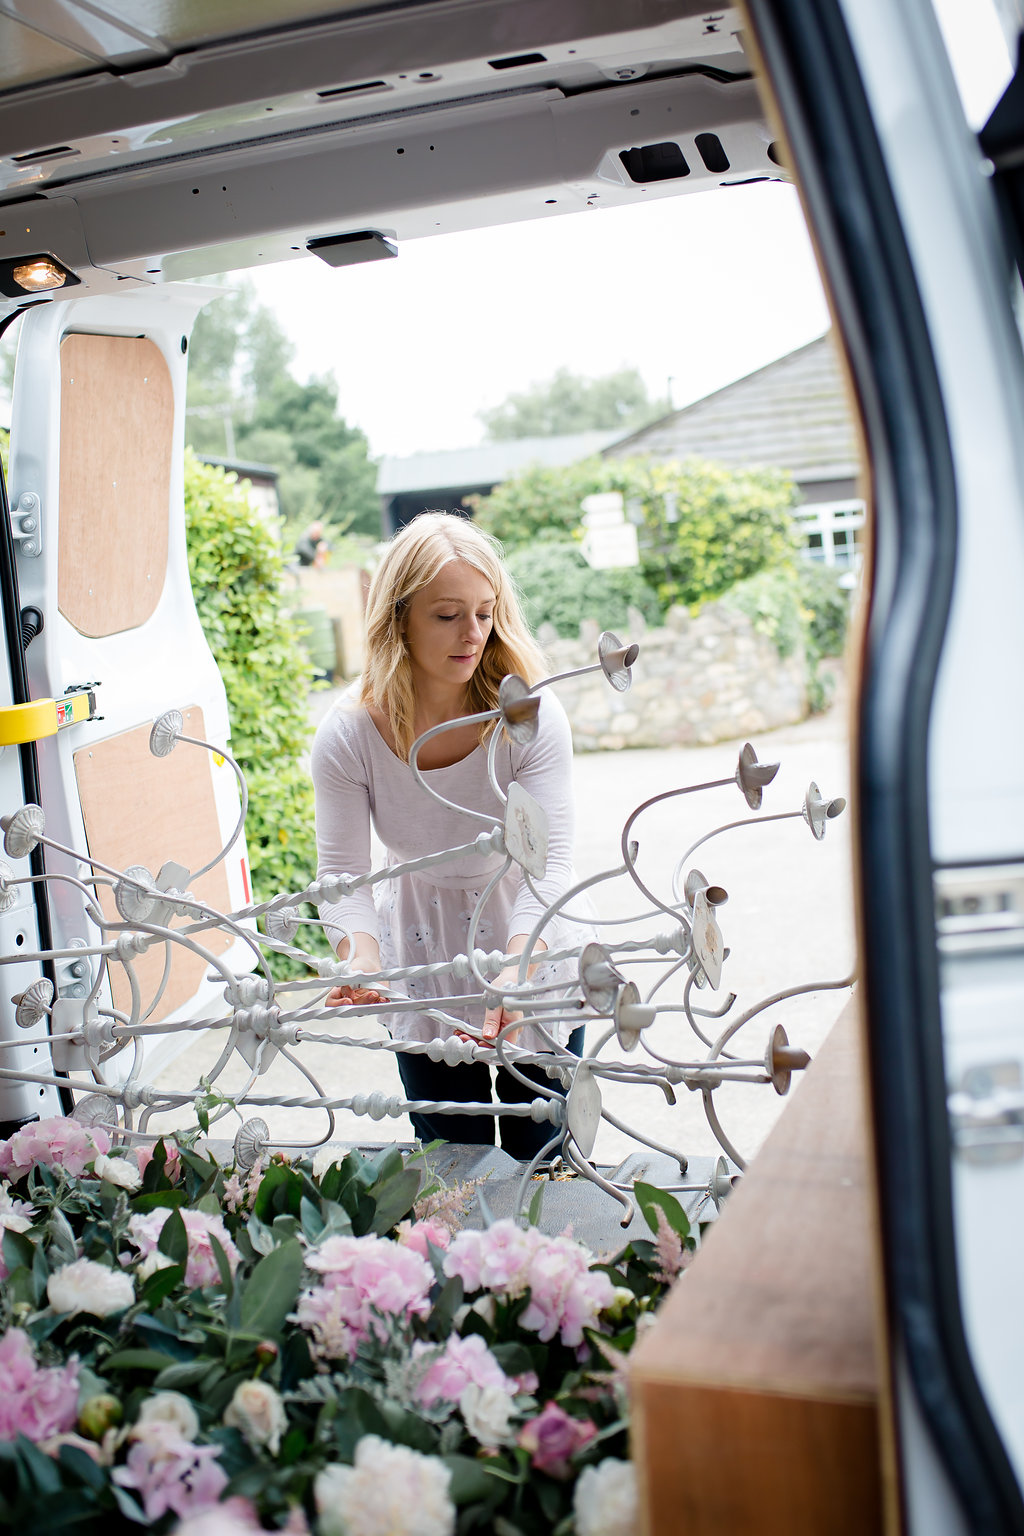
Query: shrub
x=559, y=588
x=236, y=565
x=773, y=602
x=729, y=524
x=828, y=605
x=798, y=607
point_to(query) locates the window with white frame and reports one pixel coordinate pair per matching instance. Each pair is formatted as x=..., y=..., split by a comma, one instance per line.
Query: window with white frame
x=833, y=531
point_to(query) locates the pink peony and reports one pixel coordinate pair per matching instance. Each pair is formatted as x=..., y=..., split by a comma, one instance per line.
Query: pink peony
x=566, y=1296
x=417, y=1234
x=498, y=1259
x=361, y=1276
x=201, y=1267
x=168, y=1472
x=461, y=1363
x=56, y=1143
x=172, y=1167
x=553, y=1437
x=37, y=1401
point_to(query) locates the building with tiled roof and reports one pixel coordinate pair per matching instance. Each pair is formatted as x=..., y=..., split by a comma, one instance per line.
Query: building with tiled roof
x=441, y=481
x=792, y=414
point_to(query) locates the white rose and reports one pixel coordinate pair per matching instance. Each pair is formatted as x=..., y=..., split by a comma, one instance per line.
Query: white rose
x=259, y=1413
x=324, y=1159
x=486, y=1412
x=167, y=1408
x=605, y=1500
x=391, y=1488
x=88, y=1287
x=122, y=1171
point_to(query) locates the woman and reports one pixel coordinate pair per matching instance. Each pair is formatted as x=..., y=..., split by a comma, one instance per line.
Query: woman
x=443, y=628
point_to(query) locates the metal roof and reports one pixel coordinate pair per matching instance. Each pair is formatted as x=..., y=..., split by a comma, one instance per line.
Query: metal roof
x=793, y=414
x=486, y=464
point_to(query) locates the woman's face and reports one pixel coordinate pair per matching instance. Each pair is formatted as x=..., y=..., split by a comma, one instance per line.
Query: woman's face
x=448, y=623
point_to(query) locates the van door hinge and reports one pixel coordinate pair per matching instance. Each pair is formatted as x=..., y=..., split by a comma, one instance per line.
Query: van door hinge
x=26, y=523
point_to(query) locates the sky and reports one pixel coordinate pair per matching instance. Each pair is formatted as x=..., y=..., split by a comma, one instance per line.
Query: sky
x=698, y=289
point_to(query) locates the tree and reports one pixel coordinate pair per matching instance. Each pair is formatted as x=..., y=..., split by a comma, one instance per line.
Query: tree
x=569, y=403
x=243, y=403
x=328, y=474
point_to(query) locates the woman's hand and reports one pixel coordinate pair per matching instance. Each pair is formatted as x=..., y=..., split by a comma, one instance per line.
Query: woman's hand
x=339, y=997
x=496, y=1019
x=366, y=960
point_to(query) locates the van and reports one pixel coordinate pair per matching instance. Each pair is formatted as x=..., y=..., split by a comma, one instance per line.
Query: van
x=142, y=146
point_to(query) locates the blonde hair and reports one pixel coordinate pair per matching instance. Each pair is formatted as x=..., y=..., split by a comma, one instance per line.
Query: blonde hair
x=413, y=558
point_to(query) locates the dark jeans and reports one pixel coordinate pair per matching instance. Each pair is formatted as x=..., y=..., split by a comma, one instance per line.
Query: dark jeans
x=471, y=1083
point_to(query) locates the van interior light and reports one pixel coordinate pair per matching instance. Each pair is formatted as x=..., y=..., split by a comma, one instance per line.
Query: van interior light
x=39, y=274
x=347, y=250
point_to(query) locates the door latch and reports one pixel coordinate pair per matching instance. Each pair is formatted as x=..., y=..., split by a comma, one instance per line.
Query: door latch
x=986, y=1114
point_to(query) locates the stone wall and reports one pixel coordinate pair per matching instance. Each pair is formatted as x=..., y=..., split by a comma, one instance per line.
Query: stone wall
x=697, y=680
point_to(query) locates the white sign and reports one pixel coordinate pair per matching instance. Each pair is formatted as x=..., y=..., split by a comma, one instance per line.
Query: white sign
x=602, y=510
x=606, y=549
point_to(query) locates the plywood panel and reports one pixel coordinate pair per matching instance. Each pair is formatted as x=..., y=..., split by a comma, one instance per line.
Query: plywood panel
x=116, y=436
x=140, y=809
x=756, y=1393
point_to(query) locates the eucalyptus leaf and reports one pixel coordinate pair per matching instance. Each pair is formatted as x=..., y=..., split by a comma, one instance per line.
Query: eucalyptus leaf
x=393, y=1198
x=158, y=1199
x=173, y=1239
x=223, y=1267
x=183, y=1373
x=471, y=1483
x=19, y=1250
x=62, y=1238
x=138, y=1360
x=161, y=1283
x=272, y=1289
x=649, y=1198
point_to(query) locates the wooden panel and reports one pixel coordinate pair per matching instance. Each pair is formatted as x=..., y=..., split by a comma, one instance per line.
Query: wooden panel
x=140, y=809
x=756, y=1393
x=731, y=1463
x=116, y=436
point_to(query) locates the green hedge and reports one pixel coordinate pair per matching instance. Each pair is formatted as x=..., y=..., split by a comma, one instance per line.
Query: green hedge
x=558, y=587
x=798, y=607
x=236, y=564
x=729, y=523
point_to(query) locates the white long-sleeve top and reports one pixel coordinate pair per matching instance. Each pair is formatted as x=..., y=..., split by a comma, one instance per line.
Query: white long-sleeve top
x=425, y=916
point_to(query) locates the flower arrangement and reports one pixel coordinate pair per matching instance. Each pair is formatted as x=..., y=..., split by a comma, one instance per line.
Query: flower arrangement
x=306, y=1347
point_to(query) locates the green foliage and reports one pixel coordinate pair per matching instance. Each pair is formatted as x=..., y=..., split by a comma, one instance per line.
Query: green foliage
x=828, y=604
x=730, y=523
x=559, y=588
x=5, y=449
x=326, y=472
x=244, y=404
x=236, y=566
x=570, y=403
x=798, y=607
x=773, y=602
x=281, y=1362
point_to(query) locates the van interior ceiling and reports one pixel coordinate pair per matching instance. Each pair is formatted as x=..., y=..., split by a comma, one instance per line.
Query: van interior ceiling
x=133, y=157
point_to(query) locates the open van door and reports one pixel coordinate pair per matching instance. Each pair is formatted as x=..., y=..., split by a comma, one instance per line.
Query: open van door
x=100, y=620
x=902, y=202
